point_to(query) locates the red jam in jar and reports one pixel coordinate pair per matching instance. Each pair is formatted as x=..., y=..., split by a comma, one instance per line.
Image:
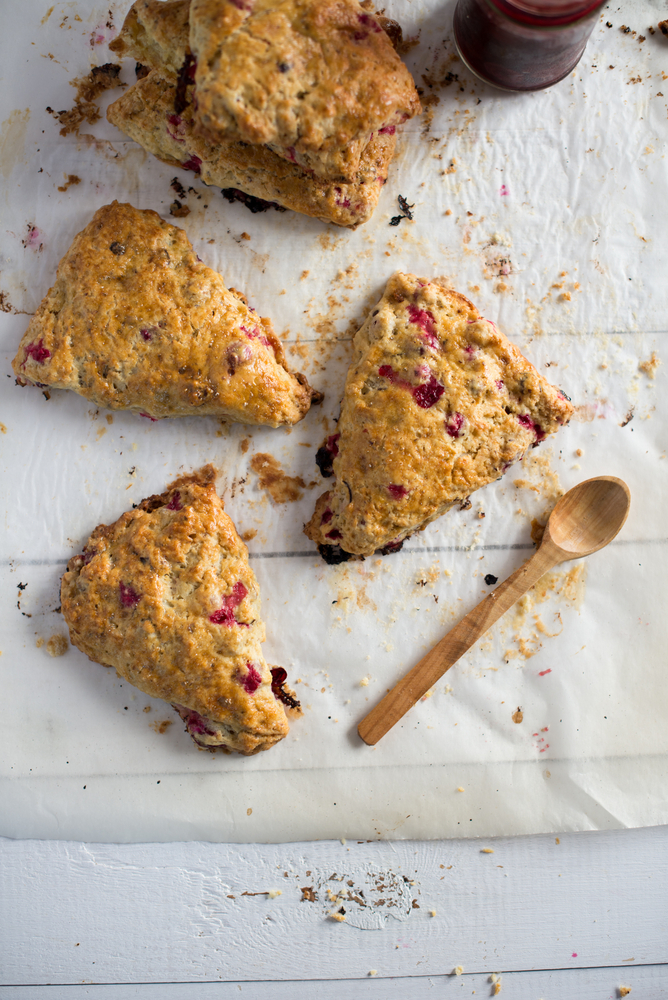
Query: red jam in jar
x=523, y=45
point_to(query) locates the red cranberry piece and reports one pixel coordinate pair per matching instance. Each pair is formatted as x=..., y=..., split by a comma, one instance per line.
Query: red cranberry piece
x=526, y=421
x=225, y=615
x=129, y=597
x=325, y=455
x=252, y=680
x=343, y=202
x=148, y=417
x=335, y=533
x=398, y=492
x=37, y=351
x=426, y=395
x=387, y=130
x=278, y=679
x=453, y=424
x=425, y=320
x=175, y=502
x=499, y=383
x=255, y=334
x=327, y=516
x=192, y=163
x=196, y=724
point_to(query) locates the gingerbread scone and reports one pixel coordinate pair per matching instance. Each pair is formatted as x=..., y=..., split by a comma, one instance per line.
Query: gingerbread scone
x=136, y=321
x=310, y=79
x=145, y=112
x=437, y=403
x=166, y=597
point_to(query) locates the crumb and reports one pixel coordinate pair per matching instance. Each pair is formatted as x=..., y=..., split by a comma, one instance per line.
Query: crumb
x=273, y=893
x=556, y=840
x=249, y=535
x=340, y=917
x=448, y=211
x=663, y=28
x=650, y=366
x=178, y=210
x=161, y=727
x=487, y=850
x=364, y=682
x=280, y=487
x=496, y=990
x=147, y=708
x=625, y=990
x=57, y=645
x=432, y=913
x=249, y=811
x=460, y=789
x=578, y=452
x=373, y=972
x=517, y=716
x=39, y=642
x=304, y=274
x=70, y=179
x=243, y=445
x=458, y=970
x=245, y=236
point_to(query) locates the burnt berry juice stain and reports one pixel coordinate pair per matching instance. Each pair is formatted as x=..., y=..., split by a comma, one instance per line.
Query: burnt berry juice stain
x=523, y=46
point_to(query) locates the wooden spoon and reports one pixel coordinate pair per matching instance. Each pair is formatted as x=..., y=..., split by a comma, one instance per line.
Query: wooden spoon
x=583, y=521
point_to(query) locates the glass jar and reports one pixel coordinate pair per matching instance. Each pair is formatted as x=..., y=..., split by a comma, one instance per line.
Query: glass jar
x=523, y=45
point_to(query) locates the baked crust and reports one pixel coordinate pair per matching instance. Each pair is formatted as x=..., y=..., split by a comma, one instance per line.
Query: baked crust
x=155, y=34
x=166, y=596
x=145, y=112
x=437, y=403
x=136, y=322
x=310, y=79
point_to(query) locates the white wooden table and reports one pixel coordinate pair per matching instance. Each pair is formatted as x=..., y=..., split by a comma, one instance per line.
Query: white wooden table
x=576, y=916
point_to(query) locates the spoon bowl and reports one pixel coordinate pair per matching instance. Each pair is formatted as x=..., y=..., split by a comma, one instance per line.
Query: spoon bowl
x=588, y=517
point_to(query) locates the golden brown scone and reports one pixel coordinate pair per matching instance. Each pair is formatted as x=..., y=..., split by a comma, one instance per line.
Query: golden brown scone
x=437, y=403
x=310, y=79
x=155, y=34
x=166, y=596
x=146, y=113
x=136, y=322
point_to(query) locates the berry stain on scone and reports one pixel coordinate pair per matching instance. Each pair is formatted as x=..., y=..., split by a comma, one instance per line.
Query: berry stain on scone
x=136, y=321
x=166, y=596
x=437, y=404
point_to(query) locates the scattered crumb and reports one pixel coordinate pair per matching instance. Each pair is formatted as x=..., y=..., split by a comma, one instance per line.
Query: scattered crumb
x=57, y=645
x=281, y=488
x=496, y=990
x=304, y=274
x=364, y=682
x=458, y=970
x=39, y=642
x=178, y=210
x=460, y=789
x=161, y=727
x=243, y=445
x=650, y=366
x=70, y=179
x=373, y=972
x=625, y=990
x=487, y=850
x=249, y=535
x=273, y=893
x=432, y=913
x=147, y=708
x=517, y=716
x=89, y=88
x=340, y=917
x=245, y=236
x=249, y=811
x=556, y=840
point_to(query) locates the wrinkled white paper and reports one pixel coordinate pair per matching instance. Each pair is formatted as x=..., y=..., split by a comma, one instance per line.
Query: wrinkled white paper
x=549, y=211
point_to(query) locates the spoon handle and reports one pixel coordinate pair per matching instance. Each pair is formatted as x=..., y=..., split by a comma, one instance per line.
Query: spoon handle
x=455, y=643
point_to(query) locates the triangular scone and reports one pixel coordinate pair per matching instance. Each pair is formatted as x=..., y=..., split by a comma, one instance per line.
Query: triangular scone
x=437, y=403
x=310, y=79
x=166, y=596
x=135, y=321
x=155, y=34
x=145, y=112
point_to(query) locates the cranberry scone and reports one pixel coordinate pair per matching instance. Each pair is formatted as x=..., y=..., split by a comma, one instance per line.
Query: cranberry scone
x=309, y=79
x=166, y=597
x=135, y=321
x=437, y=403
x=145, y=113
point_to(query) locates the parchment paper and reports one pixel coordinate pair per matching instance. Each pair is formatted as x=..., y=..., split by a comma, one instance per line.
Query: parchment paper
x=549, y=211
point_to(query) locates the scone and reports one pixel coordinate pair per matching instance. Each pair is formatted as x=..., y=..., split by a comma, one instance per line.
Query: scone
x=437, y=403
x=155, y=33
x=145, y=112
x=135, y=321
x=309, y=79
x=166, y=596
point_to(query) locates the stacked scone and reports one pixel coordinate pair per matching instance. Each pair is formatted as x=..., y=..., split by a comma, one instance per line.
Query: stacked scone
x=294, y=102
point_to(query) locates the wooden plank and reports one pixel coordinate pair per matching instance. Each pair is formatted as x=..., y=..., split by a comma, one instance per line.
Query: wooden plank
x=649, y=982
x=205, y=912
